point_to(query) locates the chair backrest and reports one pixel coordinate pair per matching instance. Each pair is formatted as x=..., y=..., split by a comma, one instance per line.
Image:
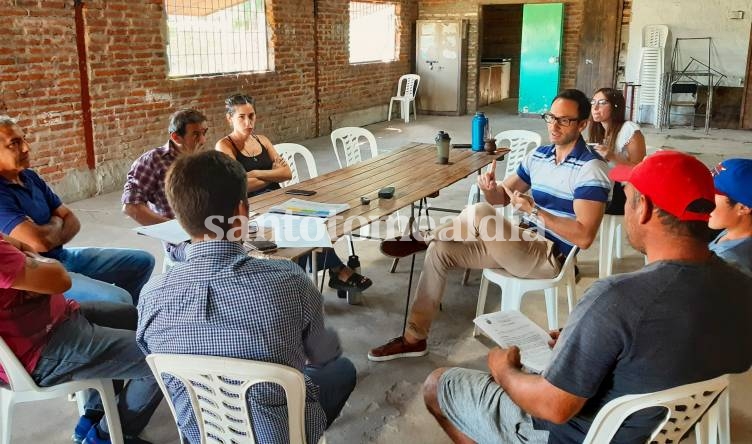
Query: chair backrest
x=349, y=138
x=410, y=89
x=218, y=386
x=18, y=377
x=520, y=141
x=288, y=152
x=685, y=405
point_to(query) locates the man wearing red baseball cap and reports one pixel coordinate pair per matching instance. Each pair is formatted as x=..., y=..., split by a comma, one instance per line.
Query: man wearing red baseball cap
x=681, y=319
x=733, y=212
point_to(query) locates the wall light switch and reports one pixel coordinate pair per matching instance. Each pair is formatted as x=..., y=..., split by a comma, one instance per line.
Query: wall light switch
x=736, y=15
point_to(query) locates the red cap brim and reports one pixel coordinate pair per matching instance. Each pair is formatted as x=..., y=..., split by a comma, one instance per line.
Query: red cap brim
x=621, y=173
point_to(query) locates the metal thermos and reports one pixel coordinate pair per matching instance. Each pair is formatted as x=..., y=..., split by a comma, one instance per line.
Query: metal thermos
x=442, y=147
x=480, y=125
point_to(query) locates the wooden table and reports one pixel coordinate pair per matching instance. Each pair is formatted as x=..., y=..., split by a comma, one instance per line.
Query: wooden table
x=412, y=170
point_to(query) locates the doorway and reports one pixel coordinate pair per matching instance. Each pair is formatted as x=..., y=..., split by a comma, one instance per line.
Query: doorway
x=499, y=71
x=520, y=56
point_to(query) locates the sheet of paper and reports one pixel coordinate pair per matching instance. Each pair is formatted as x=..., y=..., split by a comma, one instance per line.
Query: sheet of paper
x=508, y=328
x=301, y=207
x=291, y=231
x=169, y=231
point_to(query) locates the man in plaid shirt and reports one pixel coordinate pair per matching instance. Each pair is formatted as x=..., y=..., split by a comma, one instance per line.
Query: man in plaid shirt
x=144, y=197
x=221, y=302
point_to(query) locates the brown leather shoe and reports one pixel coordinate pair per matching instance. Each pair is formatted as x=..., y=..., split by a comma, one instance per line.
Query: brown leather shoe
x=398, y=348
x=402, y=246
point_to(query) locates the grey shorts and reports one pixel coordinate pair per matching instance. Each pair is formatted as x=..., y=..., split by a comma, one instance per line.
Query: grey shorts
x=480, y=409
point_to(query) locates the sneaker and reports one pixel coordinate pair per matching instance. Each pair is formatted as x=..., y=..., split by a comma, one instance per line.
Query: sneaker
x=398, y=348
x=82, y=429
x=403, y=246
x=93, y=437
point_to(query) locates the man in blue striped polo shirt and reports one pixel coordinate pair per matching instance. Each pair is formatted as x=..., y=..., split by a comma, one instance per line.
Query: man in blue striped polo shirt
x=569, y=188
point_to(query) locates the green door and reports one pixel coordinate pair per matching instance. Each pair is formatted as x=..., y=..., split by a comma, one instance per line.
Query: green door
x=539, y=59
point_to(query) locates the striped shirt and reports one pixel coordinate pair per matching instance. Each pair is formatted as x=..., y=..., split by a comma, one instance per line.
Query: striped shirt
x=582, y=175
x=220, y=302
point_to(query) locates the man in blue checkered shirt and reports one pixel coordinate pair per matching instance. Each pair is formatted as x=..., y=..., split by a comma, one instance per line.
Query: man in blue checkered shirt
x=221, y=302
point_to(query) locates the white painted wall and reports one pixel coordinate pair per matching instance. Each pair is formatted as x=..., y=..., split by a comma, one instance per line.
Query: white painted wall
x=695, y=18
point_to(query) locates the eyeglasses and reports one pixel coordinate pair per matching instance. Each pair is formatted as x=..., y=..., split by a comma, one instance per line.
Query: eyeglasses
x=563, y=121
x=599, y=102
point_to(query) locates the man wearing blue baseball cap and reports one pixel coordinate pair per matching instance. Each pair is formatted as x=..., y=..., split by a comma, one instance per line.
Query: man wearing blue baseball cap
x=733, y=212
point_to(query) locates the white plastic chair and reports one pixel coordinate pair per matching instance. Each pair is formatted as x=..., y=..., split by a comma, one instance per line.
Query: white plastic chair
x=520, y=142
x=410, y=89
x=514, y=288
x=610, y=243
x=704, y=405
x=288, y=152
x=349, y=138
x=612, y=232
x=219, y=405
x=24, y=389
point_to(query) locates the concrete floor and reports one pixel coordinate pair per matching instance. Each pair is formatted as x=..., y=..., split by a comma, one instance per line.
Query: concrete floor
x=386, y=406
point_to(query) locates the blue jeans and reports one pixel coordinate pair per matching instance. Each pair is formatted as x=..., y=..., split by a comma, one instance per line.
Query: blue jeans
x=324, y=260
x=100, y=342
x=336, y=380
x=106, y=274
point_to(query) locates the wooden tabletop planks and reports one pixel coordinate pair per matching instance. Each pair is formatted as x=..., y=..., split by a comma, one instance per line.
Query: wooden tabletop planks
x=412, y=170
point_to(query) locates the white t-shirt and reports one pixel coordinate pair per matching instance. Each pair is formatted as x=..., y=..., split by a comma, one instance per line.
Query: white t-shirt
x=625, y=135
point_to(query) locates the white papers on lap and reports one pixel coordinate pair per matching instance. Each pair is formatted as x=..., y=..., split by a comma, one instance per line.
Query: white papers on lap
x=510, y=327
x=302, y=207
x=296, y=231
x=169, y=231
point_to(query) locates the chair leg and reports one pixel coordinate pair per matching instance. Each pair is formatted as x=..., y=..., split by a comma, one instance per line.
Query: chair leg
x=389, y=118
x=724, y=425
x=552, y=309
x=571, y=289
x=619, y=241
x=465, y=276
x=109, y=402
x=606, y=250
x=405, y=111
x=481, y=307
x=80, y=399
x=6, y=416
x=415, y=110
x=314, y=269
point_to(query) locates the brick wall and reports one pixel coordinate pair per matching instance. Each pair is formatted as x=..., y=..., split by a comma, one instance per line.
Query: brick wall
x=132, y=97
x=39, y=82
x=470, y=10
x=345, y=87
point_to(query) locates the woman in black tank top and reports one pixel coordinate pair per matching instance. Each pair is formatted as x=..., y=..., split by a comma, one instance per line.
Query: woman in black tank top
x=264, y=167
x=265, y=170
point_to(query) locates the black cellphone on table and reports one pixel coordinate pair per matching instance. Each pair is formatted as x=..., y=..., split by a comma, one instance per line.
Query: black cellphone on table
x=261, y=245
x=386, y=193
x=298, y=192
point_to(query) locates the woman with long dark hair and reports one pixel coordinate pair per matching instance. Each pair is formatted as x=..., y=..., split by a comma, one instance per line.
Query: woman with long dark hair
x=617, y=140
x=265, y=169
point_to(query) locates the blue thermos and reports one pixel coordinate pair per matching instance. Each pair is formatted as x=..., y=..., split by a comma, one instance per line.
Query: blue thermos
x=480, y=123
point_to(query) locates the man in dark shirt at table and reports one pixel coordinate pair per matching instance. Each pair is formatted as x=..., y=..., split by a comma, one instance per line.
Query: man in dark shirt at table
x=681, y=319
x=221, y=302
